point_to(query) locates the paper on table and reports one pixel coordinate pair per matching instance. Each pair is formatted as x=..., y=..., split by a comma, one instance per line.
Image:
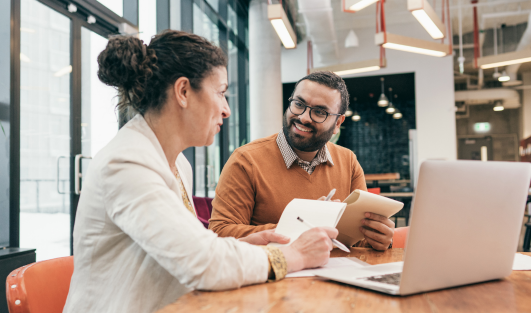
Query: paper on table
x=522, y=262
x=332, y=263
x=317, y=213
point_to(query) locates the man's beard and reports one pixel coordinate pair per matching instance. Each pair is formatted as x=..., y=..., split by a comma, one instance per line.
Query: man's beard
x=313, y=143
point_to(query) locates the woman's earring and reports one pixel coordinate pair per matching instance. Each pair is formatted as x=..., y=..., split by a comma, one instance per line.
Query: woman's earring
x=184, y=103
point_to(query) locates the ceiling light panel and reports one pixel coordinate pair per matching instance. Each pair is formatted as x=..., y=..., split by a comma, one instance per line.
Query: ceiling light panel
x=282, y=26
x=427, y=17
x=353, y=68
x=505, y=59
x=356, y=5
x=414, y=45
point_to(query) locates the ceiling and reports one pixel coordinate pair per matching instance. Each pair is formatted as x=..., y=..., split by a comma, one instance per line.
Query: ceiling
x=491, y=13
x=396, y=13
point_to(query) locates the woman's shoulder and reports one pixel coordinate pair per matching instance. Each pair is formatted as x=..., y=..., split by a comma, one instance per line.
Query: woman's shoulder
x=134, y=142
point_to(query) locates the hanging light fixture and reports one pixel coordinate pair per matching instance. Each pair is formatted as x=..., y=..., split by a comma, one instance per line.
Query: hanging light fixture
x=391, y=108
x=414, y=45
x=397, y=115
x=504, y=77
x=383, y=101
x=498, y=106
x=353, y=68
x=351, y=40
x=505, y=59
x=349, y=112
x=354, y=6
x=356, y=117
x=281, y=24
x=425, y=14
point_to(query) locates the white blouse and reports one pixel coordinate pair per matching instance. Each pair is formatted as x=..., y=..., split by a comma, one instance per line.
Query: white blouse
x=136, y=246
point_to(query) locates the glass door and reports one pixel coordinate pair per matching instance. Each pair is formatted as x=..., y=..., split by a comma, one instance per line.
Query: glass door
x=66, y=116
x=45, y=99
x=207, y=159
x=99, y=120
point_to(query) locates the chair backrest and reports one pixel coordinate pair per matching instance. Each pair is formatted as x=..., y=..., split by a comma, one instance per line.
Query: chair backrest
x=383, y=176
x=203, y=208
x=40, y=287
x=374, y=190
x=400, y=237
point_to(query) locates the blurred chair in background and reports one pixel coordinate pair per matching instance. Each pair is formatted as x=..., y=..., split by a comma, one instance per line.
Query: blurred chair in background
x=40, y=287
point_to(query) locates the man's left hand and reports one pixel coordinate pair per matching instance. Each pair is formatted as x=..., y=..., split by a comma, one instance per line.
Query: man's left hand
x=378, y=230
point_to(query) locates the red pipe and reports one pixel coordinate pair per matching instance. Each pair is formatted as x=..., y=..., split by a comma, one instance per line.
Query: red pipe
x=476, y=34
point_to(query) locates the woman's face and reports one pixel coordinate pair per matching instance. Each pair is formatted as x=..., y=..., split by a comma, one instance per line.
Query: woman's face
x=209, y=107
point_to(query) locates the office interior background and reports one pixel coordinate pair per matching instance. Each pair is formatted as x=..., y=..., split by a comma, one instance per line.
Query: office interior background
x=56, y=115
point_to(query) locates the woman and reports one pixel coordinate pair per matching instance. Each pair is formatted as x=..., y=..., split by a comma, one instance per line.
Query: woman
x=138, y=245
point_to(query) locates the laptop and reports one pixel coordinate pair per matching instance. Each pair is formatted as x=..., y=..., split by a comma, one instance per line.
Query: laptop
x=465, y=225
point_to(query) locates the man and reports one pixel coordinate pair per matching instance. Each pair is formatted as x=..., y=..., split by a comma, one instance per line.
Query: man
x=262, y=177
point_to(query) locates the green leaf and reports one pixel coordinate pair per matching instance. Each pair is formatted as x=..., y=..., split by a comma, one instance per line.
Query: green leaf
x=335, y=137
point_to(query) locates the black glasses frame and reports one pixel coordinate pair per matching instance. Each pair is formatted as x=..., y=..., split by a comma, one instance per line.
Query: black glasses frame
x=291, y=100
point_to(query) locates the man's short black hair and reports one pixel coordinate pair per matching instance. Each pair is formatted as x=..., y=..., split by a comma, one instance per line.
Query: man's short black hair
x=332, y=81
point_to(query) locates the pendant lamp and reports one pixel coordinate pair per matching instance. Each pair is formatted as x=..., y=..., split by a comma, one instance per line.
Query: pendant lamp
x=383, y=101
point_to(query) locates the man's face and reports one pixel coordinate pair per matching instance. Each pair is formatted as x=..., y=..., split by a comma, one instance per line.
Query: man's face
x=301, y=132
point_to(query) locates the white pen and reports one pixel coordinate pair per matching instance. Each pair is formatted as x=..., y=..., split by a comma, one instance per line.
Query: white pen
x=332, y=192
x=337, y=243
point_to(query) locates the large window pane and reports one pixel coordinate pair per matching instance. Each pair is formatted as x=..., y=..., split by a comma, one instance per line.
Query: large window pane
x=117, y=6
x=232, y=98
x=99, y=120
x=232, y=20
x=44, y=130
x=203, y=26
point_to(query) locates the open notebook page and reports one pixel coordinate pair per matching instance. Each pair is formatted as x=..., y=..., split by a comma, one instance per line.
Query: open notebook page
x=317, y=213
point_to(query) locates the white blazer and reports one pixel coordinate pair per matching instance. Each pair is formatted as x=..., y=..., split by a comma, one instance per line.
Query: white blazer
x=136, y=246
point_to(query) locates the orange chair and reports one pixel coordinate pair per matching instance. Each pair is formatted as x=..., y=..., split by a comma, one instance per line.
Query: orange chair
x=40, y=287
x=376, y=191
x=400, y=236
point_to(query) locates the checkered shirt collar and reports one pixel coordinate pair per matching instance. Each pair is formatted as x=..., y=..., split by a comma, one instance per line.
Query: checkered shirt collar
x=323, y=155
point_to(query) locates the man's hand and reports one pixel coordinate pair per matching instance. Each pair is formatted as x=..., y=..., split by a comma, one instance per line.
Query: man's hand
x=264, y=237
x=378, y=231
x=324, y=197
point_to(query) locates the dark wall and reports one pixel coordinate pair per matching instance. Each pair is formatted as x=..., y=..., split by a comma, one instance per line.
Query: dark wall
x=503, y=122
x=501, y=140
x=380, y=142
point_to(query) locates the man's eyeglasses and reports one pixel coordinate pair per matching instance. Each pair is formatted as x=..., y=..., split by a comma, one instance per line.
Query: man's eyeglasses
x=317, y=115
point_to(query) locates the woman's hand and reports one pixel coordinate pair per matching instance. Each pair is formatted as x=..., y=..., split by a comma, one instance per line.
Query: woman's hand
x=310, y=250
x=264, y=237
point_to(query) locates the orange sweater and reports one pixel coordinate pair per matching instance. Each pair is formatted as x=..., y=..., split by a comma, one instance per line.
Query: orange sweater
x=255, y=186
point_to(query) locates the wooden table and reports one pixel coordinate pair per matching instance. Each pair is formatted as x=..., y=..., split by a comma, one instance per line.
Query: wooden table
x=512, y=294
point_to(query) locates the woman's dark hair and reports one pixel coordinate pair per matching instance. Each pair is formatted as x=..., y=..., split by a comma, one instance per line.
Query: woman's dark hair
x=143, y=73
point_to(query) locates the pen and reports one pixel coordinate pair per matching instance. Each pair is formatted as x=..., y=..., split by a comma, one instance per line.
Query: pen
x=332, y=192
x=337, y=243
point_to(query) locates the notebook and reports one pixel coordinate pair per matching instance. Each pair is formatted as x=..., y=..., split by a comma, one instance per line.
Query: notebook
x=359, y=202
x=317, y=213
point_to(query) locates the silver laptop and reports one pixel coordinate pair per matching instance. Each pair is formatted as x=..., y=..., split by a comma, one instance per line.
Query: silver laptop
x=465, y=225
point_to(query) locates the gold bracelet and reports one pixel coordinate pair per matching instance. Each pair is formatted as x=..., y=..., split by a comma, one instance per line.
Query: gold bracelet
x=277, y=263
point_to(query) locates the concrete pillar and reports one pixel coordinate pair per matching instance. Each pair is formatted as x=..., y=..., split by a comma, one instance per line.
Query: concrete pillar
x=526, y=107
x=265, y=84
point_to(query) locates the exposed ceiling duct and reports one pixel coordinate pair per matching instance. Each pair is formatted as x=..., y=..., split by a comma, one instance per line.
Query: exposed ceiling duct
x=510, y=98
x=524, y=43
x=319, y=20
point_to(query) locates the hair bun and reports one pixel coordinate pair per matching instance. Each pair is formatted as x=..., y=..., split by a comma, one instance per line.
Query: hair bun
x=121, y=64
